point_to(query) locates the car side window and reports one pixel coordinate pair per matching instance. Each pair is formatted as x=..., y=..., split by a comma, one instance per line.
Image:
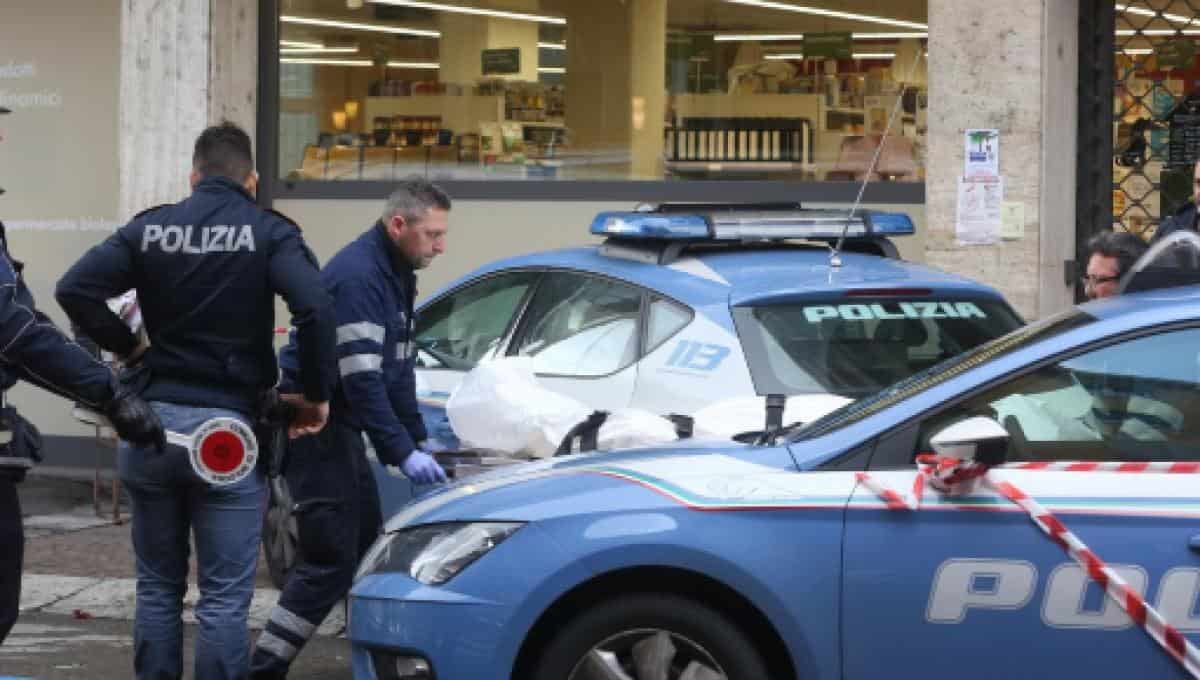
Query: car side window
x=1136, y=400
x=459, y=329
x=581, y=326
x=666, y=318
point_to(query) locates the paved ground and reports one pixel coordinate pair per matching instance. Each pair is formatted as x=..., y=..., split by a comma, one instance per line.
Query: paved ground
x=55, y=647
x=77, y=598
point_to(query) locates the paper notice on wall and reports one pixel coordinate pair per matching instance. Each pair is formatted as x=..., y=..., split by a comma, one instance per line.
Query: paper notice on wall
x=981, y=152
x=979, y=203
x=1012, y=220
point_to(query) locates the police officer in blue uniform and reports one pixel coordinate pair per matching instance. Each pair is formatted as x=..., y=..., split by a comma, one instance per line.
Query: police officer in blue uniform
x=206, y=271
x=373, y=284
x=34, y=350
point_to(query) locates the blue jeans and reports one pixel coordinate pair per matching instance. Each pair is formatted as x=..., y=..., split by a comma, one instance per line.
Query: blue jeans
x=169, y=502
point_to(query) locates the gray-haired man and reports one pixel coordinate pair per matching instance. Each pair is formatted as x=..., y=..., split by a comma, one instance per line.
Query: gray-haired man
x=373, y=284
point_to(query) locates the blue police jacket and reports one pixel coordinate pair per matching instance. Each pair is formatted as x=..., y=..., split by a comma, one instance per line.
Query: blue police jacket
x=33, y=349
x=373, y=295
x=206, y=271
x=1183, y=219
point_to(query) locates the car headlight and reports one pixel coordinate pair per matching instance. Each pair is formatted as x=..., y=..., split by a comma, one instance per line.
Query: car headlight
x=434, y=553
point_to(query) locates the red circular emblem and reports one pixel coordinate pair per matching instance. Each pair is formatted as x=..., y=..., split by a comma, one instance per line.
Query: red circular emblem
x=222, y=451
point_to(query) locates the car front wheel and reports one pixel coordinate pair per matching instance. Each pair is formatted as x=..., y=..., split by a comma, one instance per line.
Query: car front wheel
x=650, y=637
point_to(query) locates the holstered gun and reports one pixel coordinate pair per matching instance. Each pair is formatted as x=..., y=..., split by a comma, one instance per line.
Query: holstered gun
x=270, y=427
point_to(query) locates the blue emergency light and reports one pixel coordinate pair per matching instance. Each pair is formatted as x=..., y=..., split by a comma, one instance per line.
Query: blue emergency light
x=750, y=225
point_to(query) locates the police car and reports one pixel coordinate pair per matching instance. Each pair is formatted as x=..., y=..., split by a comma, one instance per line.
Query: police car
x=788, y=560
x=684, y=305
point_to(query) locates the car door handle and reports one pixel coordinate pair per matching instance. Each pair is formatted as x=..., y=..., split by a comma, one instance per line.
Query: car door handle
x=1194, y=543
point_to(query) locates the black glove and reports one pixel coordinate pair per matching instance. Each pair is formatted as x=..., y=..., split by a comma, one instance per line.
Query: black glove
x=131, y=416
x=135, y=422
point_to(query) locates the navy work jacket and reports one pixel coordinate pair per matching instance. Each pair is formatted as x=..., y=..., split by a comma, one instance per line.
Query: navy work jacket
x=206, y=271
x=35, y=350
x=373, y=297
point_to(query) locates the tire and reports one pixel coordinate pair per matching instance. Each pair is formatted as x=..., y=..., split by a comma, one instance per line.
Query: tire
x=698, y=634
x=280, y=535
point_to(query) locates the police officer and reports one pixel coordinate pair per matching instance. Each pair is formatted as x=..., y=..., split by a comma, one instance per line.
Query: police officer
x=206, y=271
x=34, y=350
x=373, y=284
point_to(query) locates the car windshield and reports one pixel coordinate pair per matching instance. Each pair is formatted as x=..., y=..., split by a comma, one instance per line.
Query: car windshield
x=854, y=347
x=940, y=373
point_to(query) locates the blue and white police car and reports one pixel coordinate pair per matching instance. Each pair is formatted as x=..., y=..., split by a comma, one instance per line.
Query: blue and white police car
x=778, y=560
x=684, y=305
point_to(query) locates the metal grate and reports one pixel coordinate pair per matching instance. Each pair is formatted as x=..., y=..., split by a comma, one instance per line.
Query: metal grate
x=1156, y=110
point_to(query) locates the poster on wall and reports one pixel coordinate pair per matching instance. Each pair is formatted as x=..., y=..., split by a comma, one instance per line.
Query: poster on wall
x=979, y=211
x=982, y=153
x=63, y=125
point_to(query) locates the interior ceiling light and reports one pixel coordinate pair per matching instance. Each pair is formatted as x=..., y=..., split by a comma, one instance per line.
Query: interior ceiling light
x=1142, y=11
x=300, y=43
x=745, y=37
x=1139, y=50
x=355, y=26
x=818, y=11
x=856, y=55
x=552, y=69
x=1157, y=31
x=796, y=37
x=325, y=62
x=319, y=50
x=462, y=9
x=429, y=65
x=552, y=46
x=359, y=62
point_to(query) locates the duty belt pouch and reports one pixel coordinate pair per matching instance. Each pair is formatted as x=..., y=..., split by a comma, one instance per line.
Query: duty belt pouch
x=20, y=444
x=270, y=427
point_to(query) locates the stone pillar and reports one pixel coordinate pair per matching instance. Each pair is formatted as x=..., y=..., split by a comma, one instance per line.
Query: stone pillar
x=598, y=98
x=648, y=69
x=987, y=69
x=184, y=64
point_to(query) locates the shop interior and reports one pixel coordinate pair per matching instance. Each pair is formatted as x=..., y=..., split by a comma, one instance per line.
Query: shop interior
x=602, y=89
x=1156, y=112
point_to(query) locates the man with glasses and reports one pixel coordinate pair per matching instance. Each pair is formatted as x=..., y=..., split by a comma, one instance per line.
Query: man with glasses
x=1184, y=217
x=1110, y=255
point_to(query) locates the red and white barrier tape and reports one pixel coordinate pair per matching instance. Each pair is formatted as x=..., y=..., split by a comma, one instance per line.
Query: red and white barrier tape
x=945, y=474
x=1081, y=466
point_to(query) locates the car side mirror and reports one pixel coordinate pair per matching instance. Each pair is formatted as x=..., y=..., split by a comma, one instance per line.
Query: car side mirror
x=978, y=439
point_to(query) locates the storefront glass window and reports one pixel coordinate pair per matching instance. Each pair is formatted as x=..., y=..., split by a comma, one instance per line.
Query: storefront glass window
x=1156, y=106
x=590, y=90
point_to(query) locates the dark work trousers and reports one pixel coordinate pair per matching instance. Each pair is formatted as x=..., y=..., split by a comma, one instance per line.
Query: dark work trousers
x=338, y=517
x=12, y=552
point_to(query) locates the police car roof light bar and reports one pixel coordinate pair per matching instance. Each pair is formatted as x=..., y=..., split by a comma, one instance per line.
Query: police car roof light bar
x=749, y=225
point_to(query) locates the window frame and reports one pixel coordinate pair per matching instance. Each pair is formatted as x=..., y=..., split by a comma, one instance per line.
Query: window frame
x=272, y=187
x=522, y=328
x=506, y=337
x=888, y=457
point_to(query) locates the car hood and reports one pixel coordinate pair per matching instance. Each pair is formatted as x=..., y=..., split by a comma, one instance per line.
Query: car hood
x=593, y=482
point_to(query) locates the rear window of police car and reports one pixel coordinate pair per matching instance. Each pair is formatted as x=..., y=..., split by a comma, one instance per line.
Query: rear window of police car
x=856, y=346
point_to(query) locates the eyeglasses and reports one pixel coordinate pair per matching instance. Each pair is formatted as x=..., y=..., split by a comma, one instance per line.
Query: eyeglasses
x=1089, y=280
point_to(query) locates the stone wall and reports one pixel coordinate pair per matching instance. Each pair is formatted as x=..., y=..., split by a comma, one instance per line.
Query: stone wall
x=985, y=72
x=184, y=65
